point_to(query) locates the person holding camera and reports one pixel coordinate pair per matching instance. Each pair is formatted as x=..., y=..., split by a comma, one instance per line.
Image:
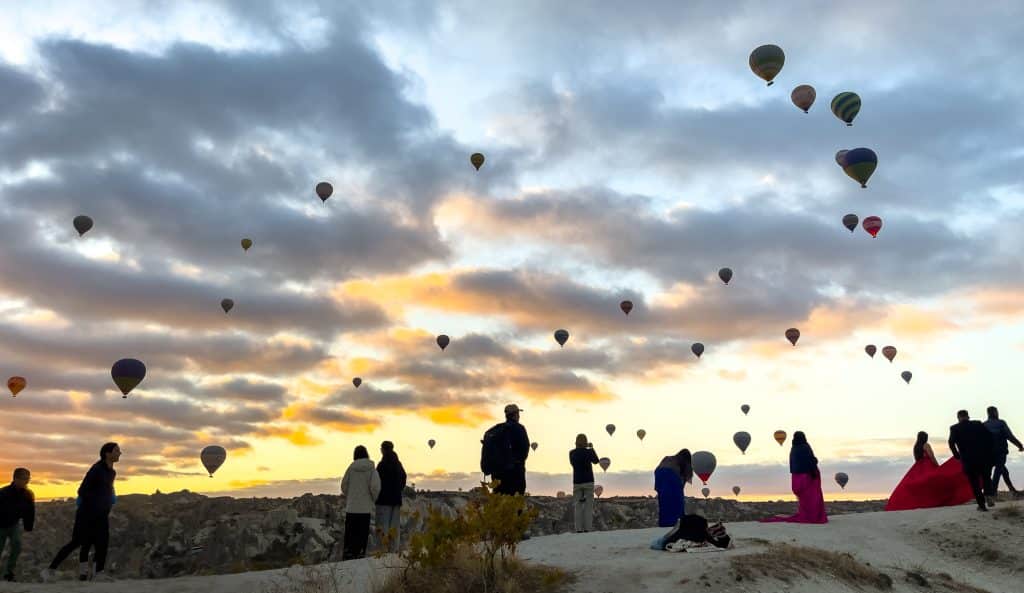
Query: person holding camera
x=583, y=458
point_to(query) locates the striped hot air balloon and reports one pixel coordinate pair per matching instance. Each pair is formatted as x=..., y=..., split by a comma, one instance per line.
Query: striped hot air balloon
x=766, y=62
x=846, y=106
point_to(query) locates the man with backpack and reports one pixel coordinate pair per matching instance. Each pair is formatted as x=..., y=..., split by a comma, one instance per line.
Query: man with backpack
x=505, y=449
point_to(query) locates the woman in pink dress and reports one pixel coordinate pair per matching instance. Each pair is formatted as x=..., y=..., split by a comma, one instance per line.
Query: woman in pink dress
x=806, y=484
x=928, y=484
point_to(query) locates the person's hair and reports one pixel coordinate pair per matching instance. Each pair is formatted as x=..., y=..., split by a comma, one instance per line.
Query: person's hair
x=922, y=438
x=582, y=440
x=963, y=414
x=360, y=453
x=993, y=412
x=21, y=472
x=685, y=461
x=106, y=448
x=799, y=438
x=387, y=446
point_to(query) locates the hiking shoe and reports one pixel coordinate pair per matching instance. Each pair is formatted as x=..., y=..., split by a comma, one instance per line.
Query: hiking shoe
x=990, y=501
x=48, y=575
x=102, y=577
x=9, y=577
x=982, y=509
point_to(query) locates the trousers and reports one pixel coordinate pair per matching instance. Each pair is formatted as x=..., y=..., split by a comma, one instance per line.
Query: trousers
x=583, y=500
x=357, y=534
x=389, y=524
x=13, y=534
x=90, y=531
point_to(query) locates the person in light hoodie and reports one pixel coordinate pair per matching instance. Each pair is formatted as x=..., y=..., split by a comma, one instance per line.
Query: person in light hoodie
x=361, y=487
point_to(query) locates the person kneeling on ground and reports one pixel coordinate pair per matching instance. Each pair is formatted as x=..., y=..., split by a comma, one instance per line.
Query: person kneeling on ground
x=692, y=532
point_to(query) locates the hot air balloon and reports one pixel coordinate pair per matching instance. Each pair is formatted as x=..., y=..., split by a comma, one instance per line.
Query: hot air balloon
x=870, y=349
x=704, y=464
x=859, y=164
x=431, y=443
x=736, y=490
x=605, y=463
x=744, y=408
x=16, y=384
x=227, y=304
x=82, y=224
x=803, y=97
x=767, y=61
x=611, y=429
x=842, y=479
x=213, y=457
x=477, y=160
x=127, y=374
x=889, y=352
x=246, y=244
x=845, y=106
x=725, y=274
x=697, y=348
x=443, y=341
x=561, y=336
x=357, y=382
x=705, y=491
x=742, y=440
x=640, y=434
x=906, y=376
x=324, y=191
x=598, y=490
x=626, y=306
x=792, y=334
x=534, y=446
x=850, y=222
x=872, y=225
x=841, y=158
x=780, y=437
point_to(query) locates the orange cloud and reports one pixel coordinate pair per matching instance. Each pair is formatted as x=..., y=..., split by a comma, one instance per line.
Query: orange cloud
x=247, y=483
x=298, y=436
x=908, y=320
x=457, y=415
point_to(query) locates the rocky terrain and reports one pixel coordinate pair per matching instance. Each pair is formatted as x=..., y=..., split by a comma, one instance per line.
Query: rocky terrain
x=166, y=535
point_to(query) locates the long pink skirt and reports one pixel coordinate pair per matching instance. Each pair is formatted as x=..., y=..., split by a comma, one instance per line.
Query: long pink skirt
x=810, y=502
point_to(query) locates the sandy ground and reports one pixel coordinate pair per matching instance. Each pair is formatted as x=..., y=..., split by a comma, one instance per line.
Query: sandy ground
x=983, y=550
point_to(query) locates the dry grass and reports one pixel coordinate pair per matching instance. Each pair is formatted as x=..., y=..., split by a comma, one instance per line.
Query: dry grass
x=939, y=583
x=465, y=575
x=1009, y=512
x=324, y=578
x=786, y=562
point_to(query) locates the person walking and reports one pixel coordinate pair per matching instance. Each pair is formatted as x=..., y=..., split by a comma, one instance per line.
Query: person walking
x=17, y=504
x=389, y=501
x=1002, y=436
x=508, y=445
x=361, y=487
x=972, y=444
x=806, y=478
x=670, y=479
x=583, y=458
x=92, y=519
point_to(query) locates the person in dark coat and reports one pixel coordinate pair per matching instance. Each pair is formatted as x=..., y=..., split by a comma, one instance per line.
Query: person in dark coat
x=389, y=501
x=583, y=458
x=92, y=519
x=512, y=478
x=1003, y=436
x=972, y=444
x=17, y=504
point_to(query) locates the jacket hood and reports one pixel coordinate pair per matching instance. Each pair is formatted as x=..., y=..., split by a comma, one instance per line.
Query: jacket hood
x=363, y=465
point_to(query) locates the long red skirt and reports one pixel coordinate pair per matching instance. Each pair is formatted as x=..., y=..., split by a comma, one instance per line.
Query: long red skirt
x=928, y=485
x=810, y=502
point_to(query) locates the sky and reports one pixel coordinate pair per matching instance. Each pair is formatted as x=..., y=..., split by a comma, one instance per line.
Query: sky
x=630, y=154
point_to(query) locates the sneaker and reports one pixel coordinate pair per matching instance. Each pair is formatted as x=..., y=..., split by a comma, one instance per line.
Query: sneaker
x=48, y=575
x=103, y=577
x=990, y=501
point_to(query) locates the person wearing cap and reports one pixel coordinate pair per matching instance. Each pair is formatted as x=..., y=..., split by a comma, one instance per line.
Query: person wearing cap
x=389, y=501
x=512, y=477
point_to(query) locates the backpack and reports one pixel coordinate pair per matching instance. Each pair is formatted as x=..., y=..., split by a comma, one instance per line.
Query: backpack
x=494, y=452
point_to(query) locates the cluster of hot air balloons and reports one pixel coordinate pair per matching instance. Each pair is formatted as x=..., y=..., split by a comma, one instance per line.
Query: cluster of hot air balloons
x=872, y=224
x=889, y=352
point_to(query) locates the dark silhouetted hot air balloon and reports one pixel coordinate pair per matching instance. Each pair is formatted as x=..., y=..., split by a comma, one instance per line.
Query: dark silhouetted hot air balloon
x=82, y=224
x=870, y=349
x=872, y=225
x=357, y=382
x=792, y=334
x=697, y=348
x=431, y=443
x=127, y=374
x=767, y=61
x=534, y=446
x=561, y=336
x=477, y=160
x=626, y=306
x=846, y=106
x=705, y=491
x=16, y=384
x=605, y=463
x=640, y=434
x=736, y=490
x=889, y=352
x=246, y=244
x=324, y=191
x=725, y=274
x=443, y=341
x=742, y=440
x=598, y=490
x=704, y=464
x=850, y=222
x=745, y=409
x=859, y=164
x=842, y=479
x=213, y=457
x=780, y=437
x=611, y=429
x=803, y=97
x=906, y=376
x=227, y=304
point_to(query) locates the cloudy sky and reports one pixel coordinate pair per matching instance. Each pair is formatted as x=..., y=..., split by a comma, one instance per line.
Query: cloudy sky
x=631, y=153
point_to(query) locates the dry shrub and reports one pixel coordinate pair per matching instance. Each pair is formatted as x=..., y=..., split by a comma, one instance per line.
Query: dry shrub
x=464, y=573
x=785, y=562
x=939, y=582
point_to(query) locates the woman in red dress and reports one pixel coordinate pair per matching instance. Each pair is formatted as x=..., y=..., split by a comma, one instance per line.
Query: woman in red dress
x=928, y=484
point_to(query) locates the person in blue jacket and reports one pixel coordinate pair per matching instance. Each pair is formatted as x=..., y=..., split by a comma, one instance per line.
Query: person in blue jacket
x=670, y=478
x=1003, y=436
